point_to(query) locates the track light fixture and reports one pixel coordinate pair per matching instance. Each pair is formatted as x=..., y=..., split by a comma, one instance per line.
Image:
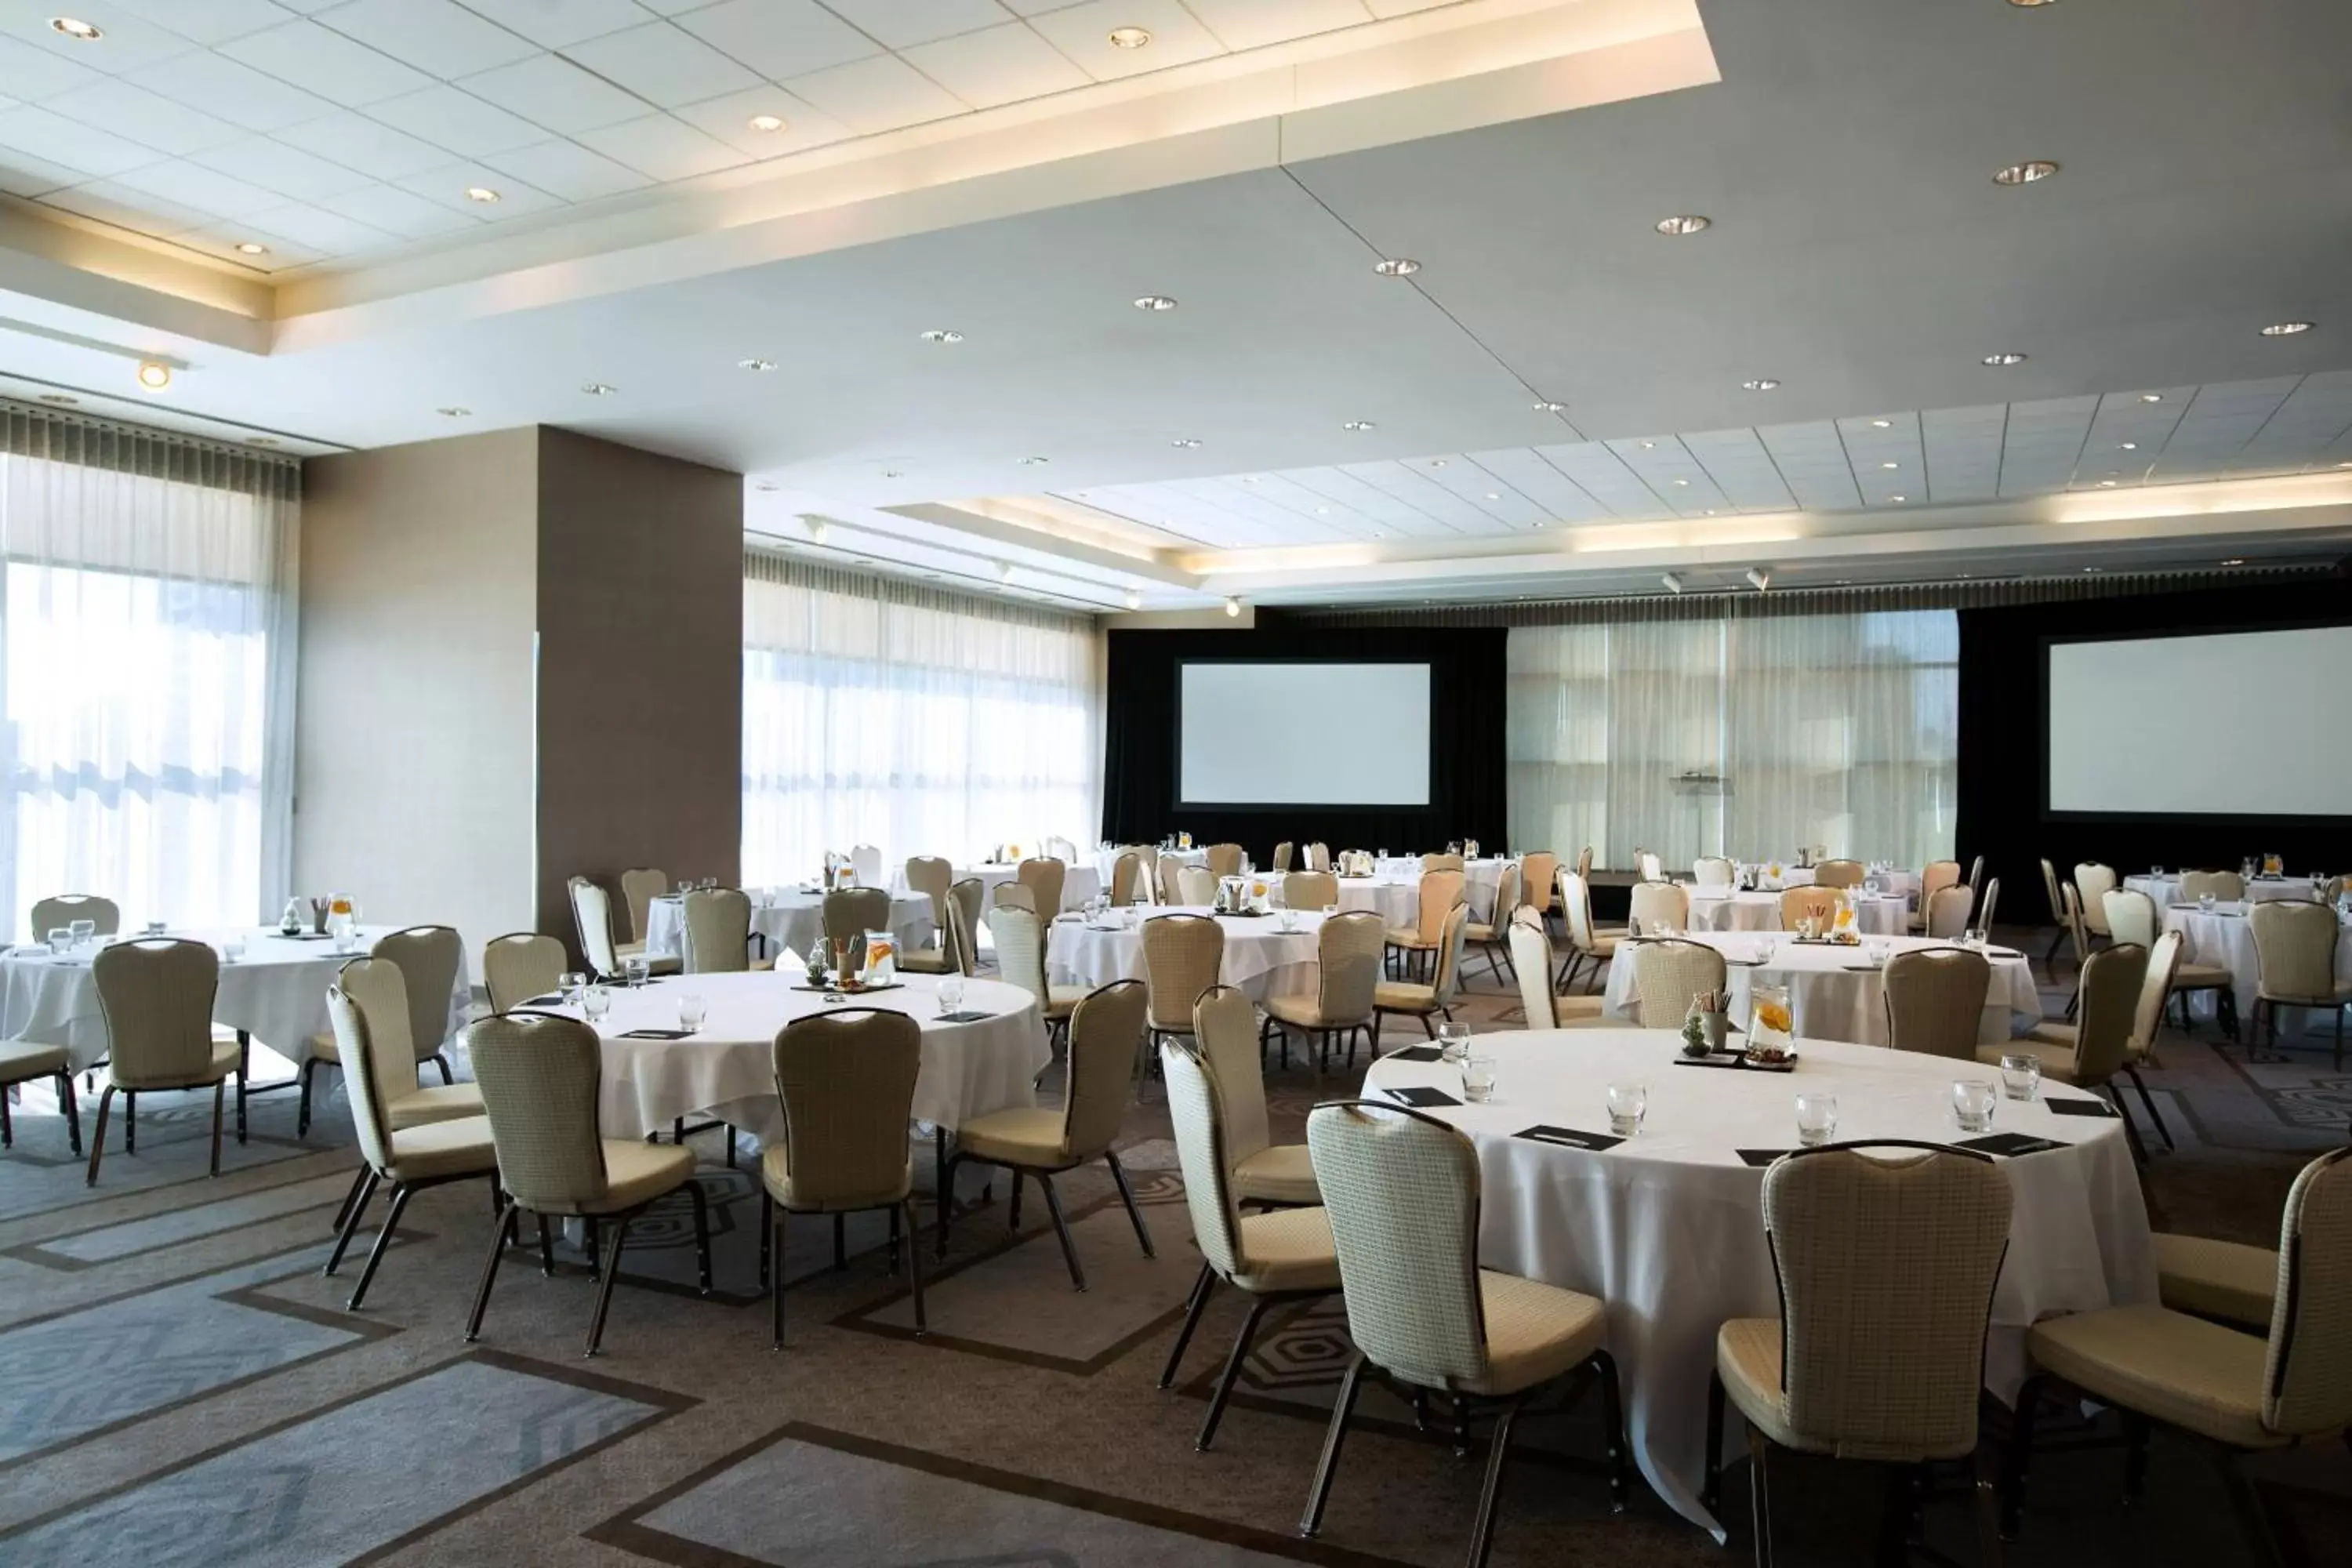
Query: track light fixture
x=1674, y=584
x=1758, y=578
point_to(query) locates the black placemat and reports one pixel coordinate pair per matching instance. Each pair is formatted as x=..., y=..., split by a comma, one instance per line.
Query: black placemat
x=1761, y=1157
x=2059, y=1107
x=1737, y=1061
x=1421, y=1098
x=654, y=1035
x=1570, y=1138
x=965, y=1017
x=1417, y=1054
x=861, y=991
x=2009, y=1145
x=304, y=936
x=551, y=999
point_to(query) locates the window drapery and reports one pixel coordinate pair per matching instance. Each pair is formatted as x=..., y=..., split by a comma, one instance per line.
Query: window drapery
x=882, y=712
x=147, y=657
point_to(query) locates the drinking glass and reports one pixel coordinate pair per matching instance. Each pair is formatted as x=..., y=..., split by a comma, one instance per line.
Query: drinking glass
x=950, y=993
x=2156, y=870
x=596, y=1002
x=1816, y=1119
x=1452, y=1040
x=1876, y=951
x=1765, y=950
x=232, y=950
x=1628, y=1103
x=636, y=968
x=157, y=928
x=1976, y=939
x=1478, y=1080
x=1330, y=910
x=82, y=931
x=1289, y=919
x=690, y=1010
x=343, y=939
x=570, y=984
x=2021, y=1075
x=1972, y=1104
x=60, y=941
x=2205, y=902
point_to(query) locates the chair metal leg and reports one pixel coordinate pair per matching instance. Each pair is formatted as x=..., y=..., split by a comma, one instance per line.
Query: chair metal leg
x=244, y=1077
x=1613, y=1414
x=1232, y=1371
x=1200, y=1298
x=359, y=1180
x=447, y=1077
x=2131, y=1128
x=841, y=1241
x=1987, y=1508
x=914, y=1269
x=73, y=1111
x=97, y=1135
x=383, y=1245
x=775, y=1237
x=2250, y=1515
x=2155, y=1118
x=546, y=1251
x=2136, y=1428
x=220, y=1090
x=302, y=1099
x=1760, y=1495
x=501, y=1233
x=354, y=1206
x=1320, y=1491
x=2020, y=1453
x=604, y=1292
x=1710, y=1490
x=1498, y=1449
x=7, y=1127
x=946, y=1197
x=131, y=1103
x=701, y=1233
x=1012, y=1205
x=1062, y=1230
x=1126, y=1196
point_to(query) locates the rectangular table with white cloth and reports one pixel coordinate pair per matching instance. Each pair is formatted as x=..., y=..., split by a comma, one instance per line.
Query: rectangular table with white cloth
x=794, y=921
x=1834, y=991
x=1261, y=958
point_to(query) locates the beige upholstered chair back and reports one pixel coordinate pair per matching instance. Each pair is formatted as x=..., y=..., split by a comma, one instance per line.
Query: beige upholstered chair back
x=1531, y=959
x=1507, y=894
x=1348, y=966
x=52, y=913
x=1310, y=890
x=719, y=930
x=1044, y=878
x=1441, y=863
x=2307, y=1374
x=1183, y=955
x=1798, y=903
x=2049, y=887
x=1584, y=863
x=848, y=1082
x=519, y=966
x=157, y=999
x=964, y=923
x=1125, y=873
x=367, y=1005
x=1204, y=1151
x=1020, y=938
x=1225, y=859
x=1055, y=846
x=1013, y=895
x=1318, y=856
x=1281, y=858
x=852, y=911
x=2131, y=916
x=639, y=887
x=2295, y=950
x=1667, y=974
x=1440, y=892
x=866, y=861
x=2075, y=928
x=1402, y=1191
x=591, y=912
x=429, y=957
x=1838, y=874
x=1224, y=1028
x=931, y=875
x=1948, y=913
x=1934, y=1000
x=1449, y=954
x=1713, y=871
x=2155, y=990
x=1538, y=870
x=2092, y=881
x=1106, y=1032
x=1887, y=1270
x=1942, y=874
x=1648, y=866
x=1991, y=900
x=2227, y=886
x=539, y=1075
x=1196, y=886
x=2110, y=1004
x=1576, y=907
x=1660, y=902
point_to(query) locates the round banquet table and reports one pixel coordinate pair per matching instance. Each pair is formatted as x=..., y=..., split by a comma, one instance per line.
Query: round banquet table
x=726, y=1069
x=1261, y=958
x=1107, y=858
x=1716, y=908
x=1478, y=878
x=1834, y=991
x=2225, y=936
x=1396, y=899
x=2165, y=889
x=1667, y=1227
x=796, y=921
x=276, y=993
x=1079, y=884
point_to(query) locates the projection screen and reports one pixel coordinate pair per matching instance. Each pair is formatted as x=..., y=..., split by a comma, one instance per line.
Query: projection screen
x=1302, y=734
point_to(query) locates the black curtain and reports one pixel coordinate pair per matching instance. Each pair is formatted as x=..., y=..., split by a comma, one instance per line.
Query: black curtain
x=2004, y=730
x=1467, y=682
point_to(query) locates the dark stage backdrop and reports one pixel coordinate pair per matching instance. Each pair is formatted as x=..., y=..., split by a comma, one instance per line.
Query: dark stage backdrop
x=1467, y=683
x=2003, y=731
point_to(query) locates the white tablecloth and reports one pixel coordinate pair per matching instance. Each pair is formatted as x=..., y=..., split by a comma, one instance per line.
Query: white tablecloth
x=727, y=1070
x=2166, y=890
x=1261, y=958
x=1079, y=883
x=1834, y=991
x=2226, y=938
x=1889, y=914
x=1478, y=879
x=796, y=920
x=276, y=993
x=1107, y=860
x=1396, y=899
x=1667, y=1228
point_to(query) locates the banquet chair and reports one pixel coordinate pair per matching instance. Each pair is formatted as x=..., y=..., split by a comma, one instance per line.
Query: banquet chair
x=1419, y=1001
x=1976, y=879
x=1939, y=875
x=1045, y=876
x=1310, y=890
x=1226, y=1035
x=2224, y=1281
x=1146, y=882
x=1991, y=901
x=1947, y=913
x=2132, y=916
x=62, y=909
x=1442, y=862
x=1934, y=1000
x=542, y=1080
x=1346, y=976
x=939, y=958
x=156, y=998
x=1106, y=1030
x=852, y=912
x=1020, y=938
x=1713, y=871
x=1196, y=886
x=592, y=915
x=1656, y=904
x=865, y=864
x=1282, y=858
x=2077, y=933
x=1538, y=879
x=1647, y=863
x=1013, y=895
x=931, y=876
x=639, y=889
x=1182, y=956
x=2295, y=959
x=847, y=1081
x=1440, y=892
x=1838, y=874
x=718, y=927
x=1886, y=1268
x=1667, y=974
x=1585, y=944
x=2092, y=882
x=2227, y=886
x=2242, y=1393
x=519, y=966
x=1225, y=859
x=1318, y=856
x=2090, y=1053
x=1487, y=936
x=1584, y=864
x=1402, y=1191
x=2057, y=911
x=963, y=926
x=1531, y=958
x=1281, y=1256
x=428, y=959
x=1807, y=903
x=404, y=1144
x=28, y=1061
x=1125, y=874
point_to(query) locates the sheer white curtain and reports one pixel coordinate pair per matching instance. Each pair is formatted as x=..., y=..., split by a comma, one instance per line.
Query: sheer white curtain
x=925, y=723
x=147, y=632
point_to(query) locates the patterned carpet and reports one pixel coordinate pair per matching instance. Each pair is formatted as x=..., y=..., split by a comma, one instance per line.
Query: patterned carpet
x=179, y=1385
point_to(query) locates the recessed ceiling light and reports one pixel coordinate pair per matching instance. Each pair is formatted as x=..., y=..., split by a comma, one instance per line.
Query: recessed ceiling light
x=2127, y=446
x=1232, y=607
x=1034, y=462
x=1761, y=383
x=454, y=412
x=1437, y=462
x=1185, y=441
x=1899, y=500
x=1155, y=302
x=75, y=27
x=1134, y=599
x=755, y=364
x=1549, y=407
x=1674, y=584
x=765, y=123
x=2032, y=4
x=1682, y=482
x=1649, y=446
x=893, y=473
x=2107, y=484
x=1004, y=571
x=2090, y=568
x=261, y=440
x=598, y=388
x=2235, y=561
x=155, y=375
x=942, y=335
x=61, y=398
x=2006, y=357
x=2151, y=397
x=1882, y=424
x=1683, y=223
x=2031, y=172
x=482, y=194
x=252, y=247
x=1397, y=267
x=1494, y=495
x=767, y=485
x=2286, y=329
x=1890, y=465
x=1358, y=425
x=1130, y=38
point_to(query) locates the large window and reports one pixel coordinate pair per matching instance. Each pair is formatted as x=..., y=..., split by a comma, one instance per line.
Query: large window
x=146, y=666
x=925, y=723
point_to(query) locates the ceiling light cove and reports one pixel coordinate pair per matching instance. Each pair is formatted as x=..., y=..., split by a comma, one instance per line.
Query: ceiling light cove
x=251, y=248
x=942, y=335
x=766, y=124
x=2151, y=397
x=1683, y=223
x=1155, y=302
x=2031, y=172
x=155, y=375
x=75, y=27
x=1396, y=266
x=482, y=194
x=2005, y=357
x=2286, y=329
x=1130, y=38
x=1761, y=383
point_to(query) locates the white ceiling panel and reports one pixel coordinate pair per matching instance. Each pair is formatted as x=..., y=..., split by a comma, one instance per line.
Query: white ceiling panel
x=368, y=146
x=275, y=166
x=779, y=38
x=549, y=90
x=33, y=74
x=877, y=95
x=323, y=61
x=207, y=21
x=568, y=170
x=900, y=23
x=390, y=210
x=557, y=24
x=122, y=206
x=232, y=90
x=662, y=65
x=997, y=65
x=1254, y=24
x=453, y=119
x=31, y=128
x=145, y=117
x=438, y=37
x=318, y=229
x=1551, y=492
x=1083, y=33
x=729, y=118
x=131, y=42
x=223, y=239
x=1742, y=469
x=192, y=184
x=662, y=148
x=448, y=184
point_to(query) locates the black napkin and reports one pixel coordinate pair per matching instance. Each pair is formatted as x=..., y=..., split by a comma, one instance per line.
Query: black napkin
x=966, y=1017
x=2011, y=1144
x=551, y=999
x=1761, y=1157
x=2079, y=1108
x=654, y=1035
x=1420, y=1098
x=1570, y=1138
x=1417, y=1054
